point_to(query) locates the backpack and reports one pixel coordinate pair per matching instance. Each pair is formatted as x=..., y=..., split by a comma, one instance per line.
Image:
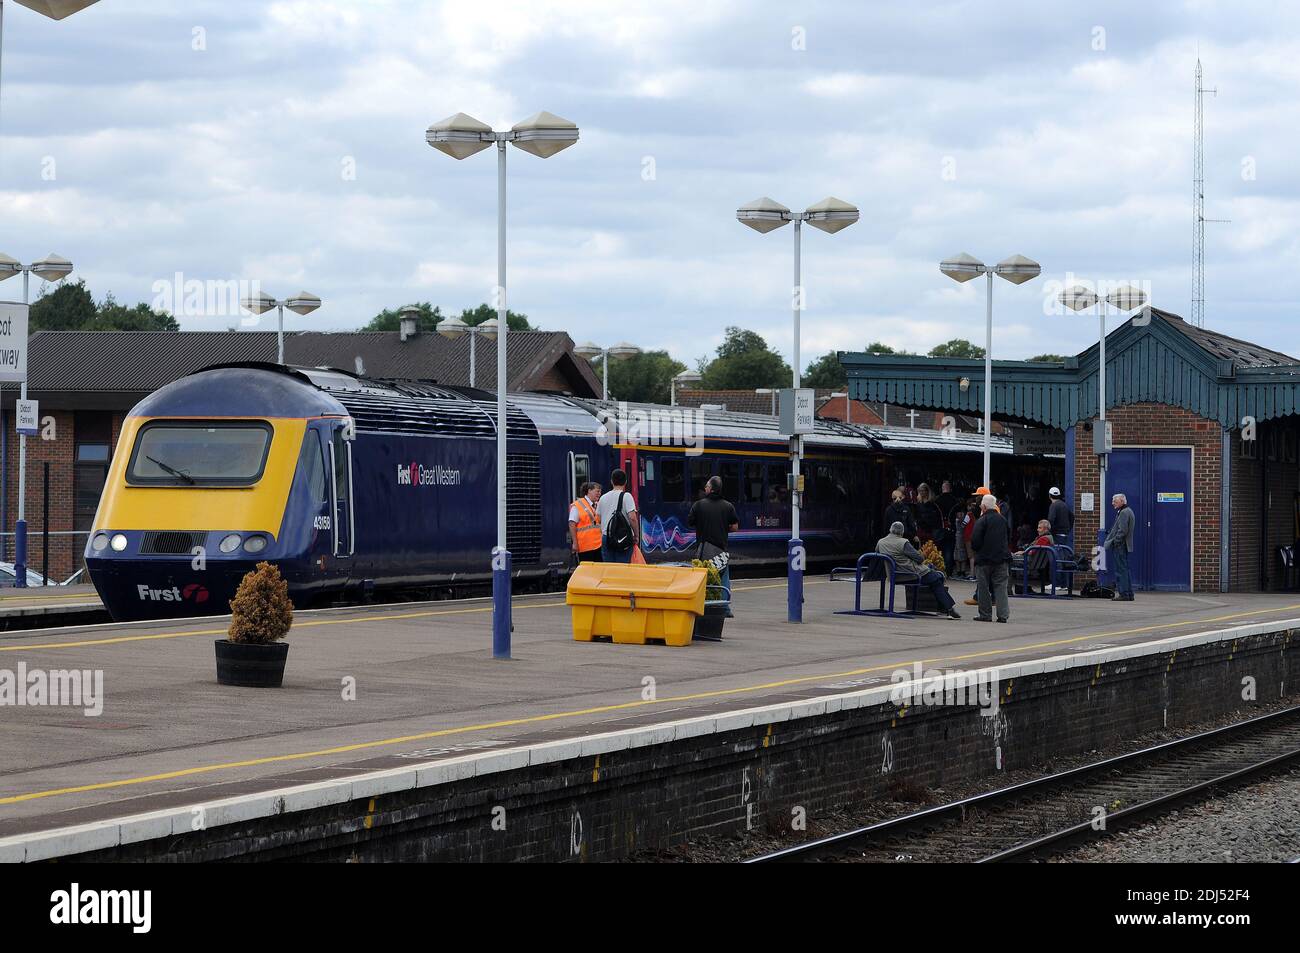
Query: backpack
x=1093, y=591
x=618, y=535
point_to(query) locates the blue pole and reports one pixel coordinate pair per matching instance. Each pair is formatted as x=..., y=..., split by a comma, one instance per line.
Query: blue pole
x=795, y=560
x=502, y=622
x=20, y=554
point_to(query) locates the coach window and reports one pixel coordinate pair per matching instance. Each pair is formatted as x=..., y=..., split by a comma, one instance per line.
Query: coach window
x=777, y=490
x=753, y=487
x=701, y=470
x=672, y=480
x=730, y=473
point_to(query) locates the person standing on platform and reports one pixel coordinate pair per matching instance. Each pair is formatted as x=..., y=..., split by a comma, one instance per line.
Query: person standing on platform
x=584, y=525
x=618, y=520
x=1119, y=543
x=992, y=577
x=946, y=501
x=712, y=518
x=898, y=511
x=1061, y=518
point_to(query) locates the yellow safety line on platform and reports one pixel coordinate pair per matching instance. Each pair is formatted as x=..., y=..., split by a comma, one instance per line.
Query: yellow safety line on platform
x=600, y=709
x=299, y=625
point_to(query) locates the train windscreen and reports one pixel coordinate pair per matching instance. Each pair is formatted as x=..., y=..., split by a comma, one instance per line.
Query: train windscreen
x=178, y=453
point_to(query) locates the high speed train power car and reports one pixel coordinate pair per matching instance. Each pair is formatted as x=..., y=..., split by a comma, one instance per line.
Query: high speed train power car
x=354, y=486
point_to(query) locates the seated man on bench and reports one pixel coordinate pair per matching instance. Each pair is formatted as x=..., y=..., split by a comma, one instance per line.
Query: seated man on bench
x=908, y=560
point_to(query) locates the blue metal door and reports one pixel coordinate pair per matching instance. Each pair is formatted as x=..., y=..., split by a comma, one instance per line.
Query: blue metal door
x=1158, y=485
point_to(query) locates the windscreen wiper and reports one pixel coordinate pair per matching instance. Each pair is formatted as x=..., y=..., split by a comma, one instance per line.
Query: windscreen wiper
x=179, y=474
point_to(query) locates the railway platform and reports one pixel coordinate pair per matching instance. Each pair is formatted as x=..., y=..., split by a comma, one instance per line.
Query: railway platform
x=380, y=703
x=34, y=605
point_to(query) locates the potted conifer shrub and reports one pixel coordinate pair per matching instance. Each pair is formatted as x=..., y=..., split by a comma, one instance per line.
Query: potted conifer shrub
x=260, y=616
x=709, y=626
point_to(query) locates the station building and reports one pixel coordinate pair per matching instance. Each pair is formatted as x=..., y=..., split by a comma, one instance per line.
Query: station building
x=88, y=381
x=1206, y=430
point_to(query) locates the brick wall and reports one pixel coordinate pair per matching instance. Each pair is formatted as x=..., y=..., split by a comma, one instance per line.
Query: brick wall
x=57, y=446
x=1155, y=425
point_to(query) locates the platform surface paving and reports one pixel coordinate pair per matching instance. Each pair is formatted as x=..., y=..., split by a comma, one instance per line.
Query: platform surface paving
x=382, y=687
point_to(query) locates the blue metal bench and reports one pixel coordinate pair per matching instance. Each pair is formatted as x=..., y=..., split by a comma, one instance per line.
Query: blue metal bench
x=870, y=568
x=1061, y=564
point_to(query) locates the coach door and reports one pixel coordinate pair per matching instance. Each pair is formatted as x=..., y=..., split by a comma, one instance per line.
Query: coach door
x=344, y=522
x=1158, y=484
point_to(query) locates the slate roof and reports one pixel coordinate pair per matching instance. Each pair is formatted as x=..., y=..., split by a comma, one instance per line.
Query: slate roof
x=139, y=362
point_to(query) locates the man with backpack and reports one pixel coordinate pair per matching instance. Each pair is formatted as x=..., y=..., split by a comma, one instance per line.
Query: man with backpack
x=618, y=520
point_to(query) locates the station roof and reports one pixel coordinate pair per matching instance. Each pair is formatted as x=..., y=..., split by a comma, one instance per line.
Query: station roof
x=1163, y=360
x=118, y=367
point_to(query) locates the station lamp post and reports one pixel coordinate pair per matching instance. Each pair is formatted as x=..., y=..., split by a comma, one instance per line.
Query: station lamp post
x=620, y=352
x=765, y=215
x=49, y=268
x=301, y=303
x=685, y=377
x=461, y=136
x=452, y=328
x=1017, y=269
x=1125, y=299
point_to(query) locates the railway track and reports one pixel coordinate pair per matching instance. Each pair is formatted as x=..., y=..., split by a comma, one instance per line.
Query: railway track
x=1039, y=817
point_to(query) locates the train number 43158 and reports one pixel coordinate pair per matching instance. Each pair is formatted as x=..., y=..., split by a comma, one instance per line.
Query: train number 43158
x=321, y=522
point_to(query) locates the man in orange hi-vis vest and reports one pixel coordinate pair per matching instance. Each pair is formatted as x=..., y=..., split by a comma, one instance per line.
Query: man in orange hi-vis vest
x=584, y=524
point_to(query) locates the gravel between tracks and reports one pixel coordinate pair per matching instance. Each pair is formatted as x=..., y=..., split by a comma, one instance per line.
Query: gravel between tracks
x=1258, y=822
x=706, y=849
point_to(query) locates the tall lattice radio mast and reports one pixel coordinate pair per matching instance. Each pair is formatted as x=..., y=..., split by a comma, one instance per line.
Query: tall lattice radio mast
x=1198, y=204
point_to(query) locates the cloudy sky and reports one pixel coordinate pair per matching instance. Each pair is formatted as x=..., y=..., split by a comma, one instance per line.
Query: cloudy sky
x=283, y=142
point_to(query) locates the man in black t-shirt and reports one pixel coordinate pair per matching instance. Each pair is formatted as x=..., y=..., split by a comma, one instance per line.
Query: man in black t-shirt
x=713, y=518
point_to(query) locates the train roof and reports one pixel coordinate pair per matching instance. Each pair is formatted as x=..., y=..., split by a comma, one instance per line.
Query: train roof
x=425, y=408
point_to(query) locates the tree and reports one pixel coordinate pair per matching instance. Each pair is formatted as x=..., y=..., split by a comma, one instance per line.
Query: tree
x=957, y=347
x=745, y=362
x=826, y=371
x=643, y=378
x=118, y=317
x=879, y=347
x=1049, y=358
x=70, y=307
x=390, y=319
x=514, y=320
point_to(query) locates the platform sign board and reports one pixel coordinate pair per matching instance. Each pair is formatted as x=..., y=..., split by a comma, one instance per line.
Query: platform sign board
x=1037, y=441
x=798, y=413
x=28, y=416
x=13, y=342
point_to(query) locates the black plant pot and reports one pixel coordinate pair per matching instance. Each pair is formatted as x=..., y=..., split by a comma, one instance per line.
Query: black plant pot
x=708, y=627
x=250, y=665
x=921, y=599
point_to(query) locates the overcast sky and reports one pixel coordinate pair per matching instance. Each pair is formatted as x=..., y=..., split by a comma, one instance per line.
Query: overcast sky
x=218, y=139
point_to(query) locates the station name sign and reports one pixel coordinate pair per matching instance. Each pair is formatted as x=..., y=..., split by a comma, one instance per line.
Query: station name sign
x=13, y=342
x=798, y=413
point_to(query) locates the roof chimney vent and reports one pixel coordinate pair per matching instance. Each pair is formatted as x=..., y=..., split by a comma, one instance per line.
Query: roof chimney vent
x=409, y=326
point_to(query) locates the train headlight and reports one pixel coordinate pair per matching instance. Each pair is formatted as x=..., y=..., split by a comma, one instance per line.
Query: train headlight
x=118, y=542
x=255, y=544
x=100, y=542
x=230, y=543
